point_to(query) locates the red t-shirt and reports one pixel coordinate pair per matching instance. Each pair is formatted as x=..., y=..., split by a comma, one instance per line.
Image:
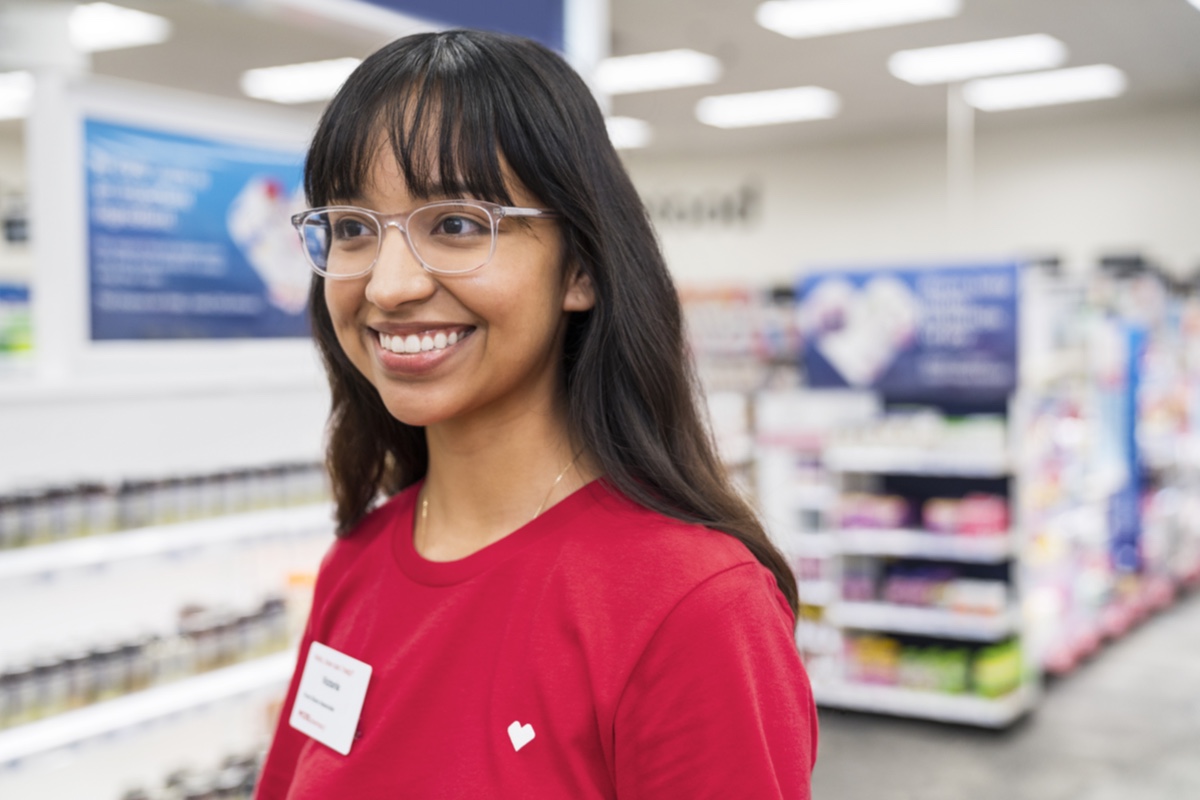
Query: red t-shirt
x=652, y=658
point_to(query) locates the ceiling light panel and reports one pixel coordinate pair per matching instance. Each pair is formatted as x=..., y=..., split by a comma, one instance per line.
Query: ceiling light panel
x=16, y=94
x=1076, y=85
x=647, y=72
x=103, y=26
x=803, y=19
x=961, y=62
x=298, y=83
x=772, y=107
x=628, y=133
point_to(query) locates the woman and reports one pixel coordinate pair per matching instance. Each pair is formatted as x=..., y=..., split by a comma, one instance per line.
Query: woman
x=560, y=595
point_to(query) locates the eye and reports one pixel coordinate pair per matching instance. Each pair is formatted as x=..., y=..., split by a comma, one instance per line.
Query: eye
x=351, y=227
x=459, y=224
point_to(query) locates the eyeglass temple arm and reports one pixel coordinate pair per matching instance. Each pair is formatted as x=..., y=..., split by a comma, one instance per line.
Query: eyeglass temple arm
x=513, y=211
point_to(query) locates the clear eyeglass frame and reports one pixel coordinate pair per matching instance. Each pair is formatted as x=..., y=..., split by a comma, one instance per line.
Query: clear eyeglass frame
x=494, y=211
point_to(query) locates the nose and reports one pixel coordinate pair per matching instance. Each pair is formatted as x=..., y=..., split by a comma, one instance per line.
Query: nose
x=398, y=277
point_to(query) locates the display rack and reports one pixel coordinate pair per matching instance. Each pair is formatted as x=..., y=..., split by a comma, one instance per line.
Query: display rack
x=83, y=597
x=163, y=541
x=133, y=710
x=853, y=467
x=959, y=709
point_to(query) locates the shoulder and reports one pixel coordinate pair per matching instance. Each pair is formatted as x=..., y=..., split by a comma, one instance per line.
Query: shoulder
x=360, y=547
x=646, y=563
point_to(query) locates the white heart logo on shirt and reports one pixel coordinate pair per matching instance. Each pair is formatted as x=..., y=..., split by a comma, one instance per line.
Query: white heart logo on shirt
x=520, y=735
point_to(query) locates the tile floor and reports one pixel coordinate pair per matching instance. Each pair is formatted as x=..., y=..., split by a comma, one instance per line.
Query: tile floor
x=1124, y=726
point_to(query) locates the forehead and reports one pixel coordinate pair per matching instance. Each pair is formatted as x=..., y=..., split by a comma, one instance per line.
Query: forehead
x=390, y=173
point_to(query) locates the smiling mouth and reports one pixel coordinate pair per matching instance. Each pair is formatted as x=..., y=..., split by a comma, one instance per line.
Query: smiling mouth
x=423, y=342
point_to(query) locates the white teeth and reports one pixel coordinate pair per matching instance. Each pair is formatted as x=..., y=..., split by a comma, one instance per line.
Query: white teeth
x=419, y=344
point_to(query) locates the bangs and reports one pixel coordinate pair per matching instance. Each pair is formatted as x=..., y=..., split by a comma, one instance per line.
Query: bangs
x=439, y=116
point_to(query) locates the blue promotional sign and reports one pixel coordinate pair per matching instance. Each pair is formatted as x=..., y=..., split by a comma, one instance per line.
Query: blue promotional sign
x=189, y=238
x=912, y=334
x=542, y=20
x=1124, y=509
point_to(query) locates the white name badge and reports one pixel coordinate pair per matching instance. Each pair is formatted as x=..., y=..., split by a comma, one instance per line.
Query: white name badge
x=330, y=698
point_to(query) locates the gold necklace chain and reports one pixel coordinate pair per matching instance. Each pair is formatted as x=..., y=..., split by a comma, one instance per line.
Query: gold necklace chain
x=536, y=514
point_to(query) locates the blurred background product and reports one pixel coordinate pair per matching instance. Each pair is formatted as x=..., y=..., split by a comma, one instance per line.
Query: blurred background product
x=938, y=265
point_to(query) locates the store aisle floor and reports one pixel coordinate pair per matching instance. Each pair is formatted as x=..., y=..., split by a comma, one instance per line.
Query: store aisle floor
x=1126, y=725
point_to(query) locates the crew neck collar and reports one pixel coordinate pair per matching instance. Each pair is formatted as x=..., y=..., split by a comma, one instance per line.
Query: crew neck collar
x=447, y=573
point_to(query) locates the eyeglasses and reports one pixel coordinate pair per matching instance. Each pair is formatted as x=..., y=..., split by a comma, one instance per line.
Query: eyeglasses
x=448, y=237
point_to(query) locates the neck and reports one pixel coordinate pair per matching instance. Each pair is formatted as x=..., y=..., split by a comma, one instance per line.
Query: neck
x=488, y=478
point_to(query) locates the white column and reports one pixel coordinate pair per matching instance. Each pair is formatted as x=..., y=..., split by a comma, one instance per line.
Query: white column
x=960, y=158
x=35, y=37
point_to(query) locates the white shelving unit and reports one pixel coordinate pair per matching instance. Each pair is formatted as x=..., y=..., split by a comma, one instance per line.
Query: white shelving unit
x=164, y=540
x=89, y=592
x=909, y=543
x=961, y=709
x=124, y=713
x=891, y=618
x=916, y=461
x=797, y=496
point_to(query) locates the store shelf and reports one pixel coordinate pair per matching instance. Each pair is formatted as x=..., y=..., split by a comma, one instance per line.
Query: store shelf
x=962, y=709
x=907, y=543
x=135, y=709
x=160, y=540
x=810, y=545
x=817, y=593
x=924, y=621
x=915, y=461
x=815, y=498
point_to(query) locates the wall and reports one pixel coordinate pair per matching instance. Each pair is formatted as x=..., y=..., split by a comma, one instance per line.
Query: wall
x=1077, y=190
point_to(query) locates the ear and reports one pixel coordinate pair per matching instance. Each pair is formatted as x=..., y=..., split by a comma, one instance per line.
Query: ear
x=580, y=294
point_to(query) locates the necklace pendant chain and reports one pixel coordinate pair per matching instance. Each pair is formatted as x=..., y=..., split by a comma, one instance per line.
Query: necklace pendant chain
x=536, y=514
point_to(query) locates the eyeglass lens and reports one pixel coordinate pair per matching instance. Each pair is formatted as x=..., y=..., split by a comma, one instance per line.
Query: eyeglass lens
x=447, y=237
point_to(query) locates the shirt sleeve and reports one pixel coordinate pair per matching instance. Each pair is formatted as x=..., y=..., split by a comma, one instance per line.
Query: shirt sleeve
x=719, y=704
x=275, y=780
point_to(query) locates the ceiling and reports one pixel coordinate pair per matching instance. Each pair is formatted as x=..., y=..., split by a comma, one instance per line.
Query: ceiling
x=1157, y=43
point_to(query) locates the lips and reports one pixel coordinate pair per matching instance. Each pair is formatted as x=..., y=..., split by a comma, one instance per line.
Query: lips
x=416, y=349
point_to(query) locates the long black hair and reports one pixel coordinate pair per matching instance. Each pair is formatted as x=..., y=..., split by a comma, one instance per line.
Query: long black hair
x=448, y=105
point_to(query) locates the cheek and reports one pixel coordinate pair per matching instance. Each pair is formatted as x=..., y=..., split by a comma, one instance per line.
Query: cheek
x=343, y=300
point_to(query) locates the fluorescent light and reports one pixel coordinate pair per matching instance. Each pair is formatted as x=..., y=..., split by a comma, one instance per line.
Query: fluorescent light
x=961, y=62
x=771, y=107
x=103, y=26
x=16, y=94
x=1196, y=3
x=628, y=133
x=803, y=19
x=298, y=83
x=1098, y=82
x=647, y=72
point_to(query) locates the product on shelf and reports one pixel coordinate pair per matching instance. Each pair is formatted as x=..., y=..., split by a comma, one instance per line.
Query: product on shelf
x=32, y=517
x=16, y=320
x=935, y=669
x=976, y=514
x=234, y=778
x=952, y=587
x=862, y=510
x=928, y=430
x=205, y=639
x=997, y=669
x=988, y=671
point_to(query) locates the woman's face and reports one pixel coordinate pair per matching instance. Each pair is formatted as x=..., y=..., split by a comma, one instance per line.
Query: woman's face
x=501, y=325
